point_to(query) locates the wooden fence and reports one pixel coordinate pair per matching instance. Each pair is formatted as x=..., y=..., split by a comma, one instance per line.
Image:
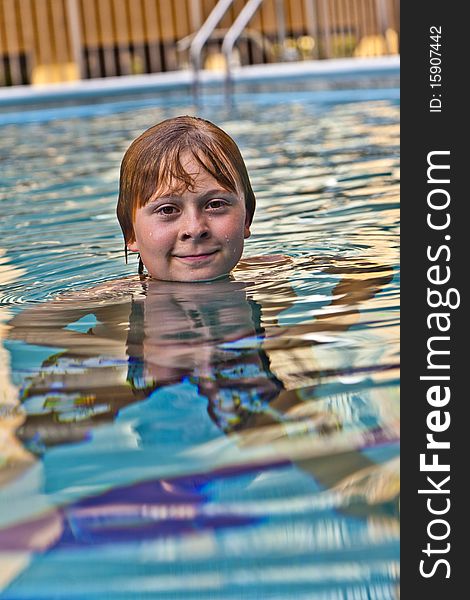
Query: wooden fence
x=61, y=40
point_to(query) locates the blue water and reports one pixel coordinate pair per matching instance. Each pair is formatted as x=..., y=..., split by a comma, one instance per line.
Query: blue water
x=202, y=441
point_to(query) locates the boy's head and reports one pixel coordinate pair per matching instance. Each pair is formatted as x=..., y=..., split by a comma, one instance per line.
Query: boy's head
x=185, y=200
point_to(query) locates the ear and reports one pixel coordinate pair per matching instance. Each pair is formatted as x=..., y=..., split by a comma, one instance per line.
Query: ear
x=247, y=232
x=133, y=246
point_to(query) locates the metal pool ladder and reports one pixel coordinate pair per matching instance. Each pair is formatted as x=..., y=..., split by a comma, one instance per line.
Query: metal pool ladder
x=230, y=38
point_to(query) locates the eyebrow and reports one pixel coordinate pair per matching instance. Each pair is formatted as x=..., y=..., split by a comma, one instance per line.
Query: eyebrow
x=219, y=192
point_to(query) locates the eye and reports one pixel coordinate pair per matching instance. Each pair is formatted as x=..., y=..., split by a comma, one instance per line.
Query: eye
x=167, y=210
x=216, y=204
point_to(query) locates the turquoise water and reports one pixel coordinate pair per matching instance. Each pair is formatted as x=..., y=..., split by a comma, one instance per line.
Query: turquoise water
x=236, y=439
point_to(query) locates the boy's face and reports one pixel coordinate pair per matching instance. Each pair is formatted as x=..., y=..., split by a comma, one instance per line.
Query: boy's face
x=193, y=235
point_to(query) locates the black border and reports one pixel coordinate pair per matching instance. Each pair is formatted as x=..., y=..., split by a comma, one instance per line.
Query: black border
x=422, y=132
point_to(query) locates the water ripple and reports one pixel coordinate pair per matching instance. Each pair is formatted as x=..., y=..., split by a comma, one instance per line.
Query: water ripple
x=239, y=456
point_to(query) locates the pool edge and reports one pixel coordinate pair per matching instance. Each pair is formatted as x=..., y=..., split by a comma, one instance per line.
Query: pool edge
x=89, y=88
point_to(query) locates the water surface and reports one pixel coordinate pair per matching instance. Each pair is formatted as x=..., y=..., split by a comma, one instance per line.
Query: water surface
x=236, y=439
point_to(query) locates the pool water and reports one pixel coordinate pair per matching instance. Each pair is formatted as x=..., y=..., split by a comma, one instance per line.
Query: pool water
x=234, y=439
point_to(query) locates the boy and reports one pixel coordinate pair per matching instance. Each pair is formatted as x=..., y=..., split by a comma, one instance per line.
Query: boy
x=185, y=200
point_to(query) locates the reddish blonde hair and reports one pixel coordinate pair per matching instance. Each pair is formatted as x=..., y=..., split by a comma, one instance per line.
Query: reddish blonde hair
x=153, y=163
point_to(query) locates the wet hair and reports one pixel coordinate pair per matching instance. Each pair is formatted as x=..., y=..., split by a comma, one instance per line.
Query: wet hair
x=153, y=164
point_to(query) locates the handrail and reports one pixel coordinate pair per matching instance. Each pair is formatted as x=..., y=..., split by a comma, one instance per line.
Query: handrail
x=233, y=34
x=202, y=36
x=236, y=30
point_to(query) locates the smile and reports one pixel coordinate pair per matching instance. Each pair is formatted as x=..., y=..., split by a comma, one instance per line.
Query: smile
x=196, y=258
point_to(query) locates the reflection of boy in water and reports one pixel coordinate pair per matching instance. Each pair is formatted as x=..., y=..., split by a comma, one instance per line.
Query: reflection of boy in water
x=223, y=335
x=191, y=330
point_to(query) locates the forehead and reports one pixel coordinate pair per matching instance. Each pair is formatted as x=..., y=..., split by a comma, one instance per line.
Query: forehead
x=187, y=174
x=190, y=163
x=197, y=173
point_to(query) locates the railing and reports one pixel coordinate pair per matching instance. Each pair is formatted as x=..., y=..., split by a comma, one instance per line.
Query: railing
x=202, y=36
x=230, y=37
x=59, y=40
x=235, y=32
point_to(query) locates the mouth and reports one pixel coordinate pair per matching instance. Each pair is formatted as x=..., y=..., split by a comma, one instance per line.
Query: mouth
x=196, y=258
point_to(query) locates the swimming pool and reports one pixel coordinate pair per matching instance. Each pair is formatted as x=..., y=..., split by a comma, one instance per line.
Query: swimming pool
x=128, y=471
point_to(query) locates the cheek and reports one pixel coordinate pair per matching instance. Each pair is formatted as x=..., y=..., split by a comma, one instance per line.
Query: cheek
x=233, y=229
x=149, y=237
x=140, y=230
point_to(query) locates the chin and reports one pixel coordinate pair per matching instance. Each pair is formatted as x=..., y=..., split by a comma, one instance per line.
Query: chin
x=191, y=277
x=202, y=277
x=213, y=278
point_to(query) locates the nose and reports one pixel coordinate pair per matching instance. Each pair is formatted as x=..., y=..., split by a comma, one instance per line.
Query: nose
x=195, y=227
